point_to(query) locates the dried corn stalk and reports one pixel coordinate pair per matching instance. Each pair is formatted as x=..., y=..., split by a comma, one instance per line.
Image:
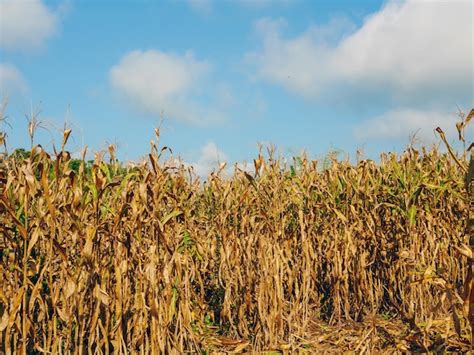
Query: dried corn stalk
x=3, y=181
x=469, y=284
x=102, y=258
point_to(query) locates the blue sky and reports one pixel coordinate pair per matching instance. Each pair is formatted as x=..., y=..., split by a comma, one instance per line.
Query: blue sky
x=226, y=75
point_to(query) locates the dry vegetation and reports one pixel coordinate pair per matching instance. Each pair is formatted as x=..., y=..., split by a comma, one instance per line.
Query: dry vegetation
x=359, y=257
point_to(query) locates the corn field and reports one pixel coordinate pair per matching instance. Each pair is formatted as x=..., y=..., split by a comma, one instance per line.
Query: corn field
x=366, y=257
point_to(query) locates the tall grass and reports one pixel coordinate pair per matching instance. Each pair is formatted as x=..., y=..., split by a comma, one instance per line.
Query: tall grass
x=363, y=257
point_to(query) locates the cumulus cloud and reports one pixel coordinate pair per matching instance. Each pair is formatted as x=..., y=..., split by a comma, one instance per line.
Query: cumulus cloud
x=11, y=80
x=402, y=123
x=26, y=24
x=406, y=52
x=210, y=158
x=159, y=82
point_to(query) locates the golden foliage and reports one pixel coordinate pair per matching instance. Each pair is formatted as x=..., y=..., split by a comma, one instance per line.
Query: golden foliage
x=364, y=257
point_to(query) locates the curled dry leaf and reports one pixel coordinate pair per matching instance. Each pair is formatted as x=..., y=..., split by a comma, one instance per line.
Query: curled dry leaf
x=324, y=258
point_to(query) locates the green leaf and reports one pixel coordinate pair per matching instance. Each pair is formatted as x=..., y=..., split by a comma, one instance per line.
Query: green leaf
x=172, y=309
x=292, y=171
x=412, y=216
x=105, y=169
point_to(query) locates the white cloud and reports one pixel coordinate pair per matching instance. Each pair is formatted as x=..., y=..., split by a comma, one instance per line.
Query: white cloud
x=159, y=82
x=209, y=159
x=401, y=123
x=26, y=24
x=11, y=80
x=406, y=52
